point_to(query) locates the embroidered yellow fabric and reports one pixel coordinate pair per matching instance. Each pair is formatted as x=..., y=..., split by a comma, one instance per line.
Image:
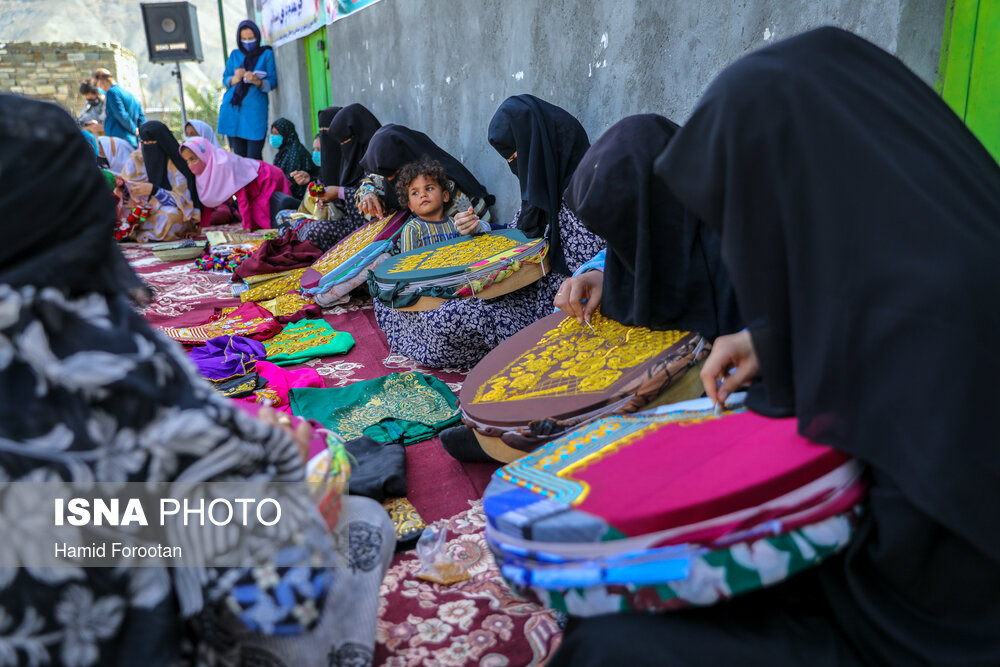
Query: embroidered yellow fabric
x=300, y=339
x=288, y=303
x=404, y=516
x=288, y=282
x=351, y=245
x=402, y=396
x=265, y=277
x=571, y=360
x=458, y=254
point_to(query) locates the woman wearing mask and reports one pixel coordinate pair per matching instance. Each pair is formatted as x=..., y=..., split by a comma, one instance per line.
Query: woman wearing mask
x=292, y=158
x=250, y=74
x=222, y=175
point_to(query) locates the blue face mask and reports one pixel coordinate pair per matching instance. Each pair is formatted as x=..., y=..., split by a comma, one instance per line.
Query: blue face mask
x=249, y=46
x=316, y=157
x=275, y=140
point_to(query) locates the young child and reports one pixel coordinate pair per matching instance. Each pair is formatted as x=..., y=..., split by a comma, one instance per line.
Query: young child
x=425, y=186
x=221, y=174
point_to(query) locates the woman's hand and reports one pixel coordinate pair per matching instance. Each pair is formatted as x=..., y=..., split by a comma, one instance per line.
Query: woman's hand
x=728, y=353
x=467, y=221
x=580, y=296
x=140, y=189
x=301, y=433
x=331, y=192
x=300, y=177
x=252, y=79
x=237, y=76
x=371, y=206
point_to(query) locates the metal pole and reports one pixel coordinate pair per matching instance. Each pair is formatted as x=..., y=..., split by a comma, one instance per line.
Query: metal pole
x=222, y=29
x=180, y=86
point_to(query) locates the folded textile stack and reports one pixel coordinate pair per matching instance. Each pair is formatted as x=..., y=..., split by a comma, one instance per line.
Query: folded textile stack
x=216, y=237
x=558, y=374
x=230, y=364
x=345, y=266
x=664, y=510
x=484, y=265
x=249, y=321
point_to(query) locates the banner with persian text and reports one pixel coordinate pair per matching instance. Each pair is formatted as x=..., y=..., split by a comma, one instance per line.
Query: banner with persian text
x=284, y=21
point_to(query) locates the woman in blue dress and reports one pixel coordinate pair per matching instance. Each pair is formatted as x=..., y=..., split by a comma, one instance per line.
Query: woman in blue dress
x=250, y=74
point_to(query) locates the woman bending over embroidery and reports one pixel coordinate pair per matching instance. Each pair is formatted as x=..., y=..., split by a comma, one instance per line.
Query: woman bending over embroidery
x=158, y=178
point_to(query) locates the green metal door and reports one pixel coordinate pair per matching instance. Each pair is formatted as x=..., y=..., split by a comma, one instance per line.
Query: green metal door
x=969, y=72
x=318, y=67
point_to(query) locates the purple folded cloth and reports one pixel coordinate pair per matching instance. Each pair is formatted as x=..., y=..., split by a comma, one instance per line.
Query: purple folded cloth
x=224, y=357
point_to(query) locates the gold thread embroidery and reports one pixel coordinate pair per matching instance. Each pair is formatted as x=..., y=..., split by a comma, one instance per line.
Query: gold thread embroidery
x=223, y=327
x=404, y=516
x=299, y=339
x=288, y=303
x=271, y=395
x=351, y=245
x=402, y=396
x=458, y=254
x=288, y=282
x=571, y=360
x=243, y=387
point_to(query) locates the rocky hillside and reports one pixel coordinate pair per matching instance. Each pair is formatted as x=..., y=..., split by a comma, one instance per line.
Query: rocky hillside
x=120, y=21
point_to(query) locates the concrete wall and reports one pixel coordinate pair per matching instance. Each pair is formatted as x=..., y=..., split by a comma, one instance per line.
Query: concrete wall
x=444, y=67
x=291, y=99
x=53, y=71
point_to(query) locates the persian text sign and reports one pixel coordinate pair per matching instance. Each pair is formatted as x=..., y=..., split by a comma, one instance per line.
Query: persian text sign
x=283, y=21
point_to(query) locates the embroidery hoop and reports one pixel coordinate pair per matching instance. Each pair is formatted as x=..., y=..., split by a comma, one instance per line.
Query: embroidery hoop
x=557, y=375
x=485, y=265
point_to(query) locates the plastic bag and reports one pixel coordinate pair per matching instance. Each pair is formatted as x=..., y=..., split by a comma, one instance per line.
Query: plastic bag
x=435, y=563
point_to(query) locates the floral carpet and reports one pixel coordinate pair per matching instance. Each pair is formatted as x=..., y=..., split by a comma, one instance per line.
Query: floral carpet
x=475, y=622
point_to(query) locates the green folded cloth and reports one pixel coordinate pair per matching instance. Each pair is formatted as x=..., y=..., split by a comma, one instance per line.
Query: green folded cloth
x=402, y=407
x=305, y=340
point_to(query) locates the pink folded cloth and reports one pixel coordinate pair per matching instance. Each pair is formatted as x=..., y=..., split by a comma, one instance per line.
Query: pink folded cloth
x=279, y=382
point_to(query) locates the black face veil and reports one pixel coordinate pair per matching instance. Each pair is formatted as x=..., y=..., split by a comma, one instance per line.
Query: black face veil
x=549, y=143
x=352, y=128
x=663, y=268
x=329, y=168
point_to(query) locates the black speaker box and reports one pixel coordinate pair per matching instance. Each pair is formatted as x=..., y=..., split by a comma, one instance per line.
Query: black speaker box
x=171, y=31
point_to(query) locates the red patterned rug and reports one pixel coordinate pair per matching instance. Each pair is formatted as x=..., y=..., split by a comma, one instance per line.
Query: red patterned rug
x=476, y=622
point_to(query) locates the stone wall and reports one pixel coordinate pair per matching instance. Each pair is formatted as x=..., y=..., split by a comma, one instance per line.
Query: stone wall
x=53, y=71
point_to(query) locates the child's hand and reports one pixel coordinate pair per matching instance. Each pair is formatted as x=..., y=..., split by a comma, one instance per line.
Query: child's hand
x=467, y=221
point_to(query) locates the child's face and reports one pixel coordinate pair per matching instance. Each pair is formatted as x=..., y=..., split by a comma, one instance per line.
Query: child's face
x=427, y=199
